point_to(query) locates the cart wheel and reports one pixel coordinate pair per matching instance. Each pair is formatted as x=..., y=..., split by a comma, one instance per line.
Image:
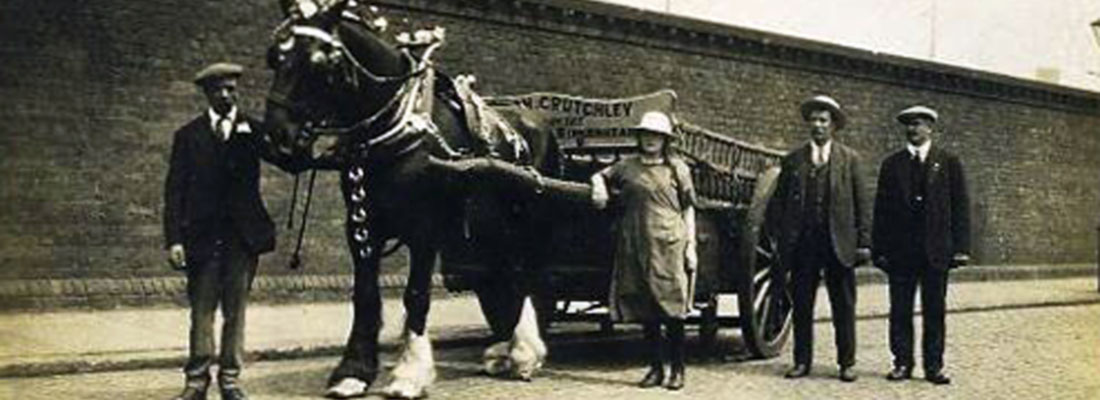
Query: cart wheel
x=763, y=302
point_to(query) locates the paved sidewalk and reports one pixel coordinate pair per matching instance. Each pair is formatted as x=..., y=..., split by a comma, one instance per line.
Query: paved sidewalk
x=46, y=343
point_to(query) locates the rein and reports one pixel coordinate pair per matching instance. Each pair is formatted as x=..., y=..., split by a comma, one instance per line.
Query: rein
x=296, y=259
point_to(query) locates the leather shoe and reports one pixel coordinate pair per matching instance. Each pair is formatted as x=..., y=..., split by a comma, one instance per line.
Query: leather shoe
x=190, y=393
x=797, y=371
x=233, y=393
x=937, y=378
x=675, y=379
x=655, y=377
x=847, y=374
x=900, y=373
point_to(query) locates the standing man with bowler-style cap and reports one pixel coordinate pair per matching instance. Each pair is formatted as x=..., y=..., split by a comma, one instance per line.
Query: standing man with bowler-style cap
x=216, y=225
x=922, y=229
x=824, y=228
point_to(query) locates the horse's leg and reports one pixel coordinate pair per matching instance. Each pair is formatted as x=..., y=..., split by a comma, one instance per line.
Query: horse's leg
x=358, y=367
x=415, y=369
x=528, y=349
x=418, y=291
x=498, y=298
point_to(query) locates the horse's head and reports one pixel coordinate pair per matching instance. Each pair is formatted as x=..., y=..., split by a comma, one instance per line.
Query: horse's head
x=332, y=71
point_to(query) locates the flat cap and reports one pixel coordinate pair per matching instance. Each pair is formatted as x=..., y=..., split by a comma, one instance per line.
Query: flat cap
x=823, y=102
x=908, y=114
x=218, y=70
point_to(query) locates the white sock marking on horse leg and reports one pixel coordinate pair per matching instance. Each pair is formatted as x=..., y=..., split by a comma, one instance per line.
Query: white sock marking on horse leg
x=528, y=349
x=415, y=369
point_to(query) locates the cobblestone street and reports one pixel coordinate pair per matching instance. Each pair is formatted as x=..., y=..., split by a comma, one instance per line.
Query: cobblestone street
x=1022, y=353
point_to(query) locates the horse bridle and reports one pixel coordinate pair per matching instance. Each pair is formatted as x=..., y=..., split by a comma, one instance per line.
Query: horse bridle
x=395, y=103
x=292, y=30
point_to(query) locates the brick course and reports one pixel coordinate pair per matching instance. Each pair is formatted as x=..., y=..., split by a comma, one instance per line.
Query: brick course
x=93, y=91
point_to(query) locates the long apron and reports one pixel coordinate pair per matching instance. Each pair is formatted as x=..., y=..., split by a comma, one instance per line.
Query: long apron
x=649, y=281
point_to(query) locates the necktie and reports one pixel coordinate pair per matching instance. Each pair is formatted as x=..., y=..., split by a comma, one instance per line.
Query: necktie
x=916, y=173
x=819, y=156
x=225, y=126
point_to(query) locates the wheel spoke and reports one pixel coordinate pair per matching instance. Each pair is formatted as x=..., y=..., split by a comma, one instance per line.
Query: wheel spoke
x=760, y=276
x=764, y=252
x=765, y=314
x=761, y=295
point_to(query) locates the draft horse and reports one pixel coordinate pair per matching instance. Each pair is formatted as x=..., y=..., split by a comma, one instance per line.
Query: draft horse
x=408, y=177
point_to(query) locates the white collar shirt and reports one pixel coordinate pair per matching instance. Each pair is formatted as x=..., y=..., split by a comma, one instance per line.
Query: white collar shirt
x=222, y=125
x=820, y=154
x=919, y=151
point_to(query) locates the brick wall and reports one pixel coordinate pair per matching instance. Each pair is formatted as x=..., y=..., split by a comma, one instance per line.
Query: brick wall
x=93, y=90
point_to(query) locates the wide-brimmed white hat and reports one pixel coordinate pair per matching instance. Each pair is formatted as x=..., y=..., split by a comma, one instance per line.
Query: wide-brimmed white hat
x=907, y=115
x=657, y=122
x=823, y=102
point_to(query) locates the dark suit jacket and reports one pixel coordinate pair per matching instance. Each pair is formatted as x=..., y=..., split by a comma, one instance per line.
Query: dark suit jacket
x=209, y=180
x=946, y=221
x=849, y=211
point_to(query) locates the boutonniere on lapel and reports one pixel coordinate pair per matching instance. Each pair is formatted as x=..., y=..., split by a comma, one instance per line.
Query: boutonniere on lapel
x=244, y=128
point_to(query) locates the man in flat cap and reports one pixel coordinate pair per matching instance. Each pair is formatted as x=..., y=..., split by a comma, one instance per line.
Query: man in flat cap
x=215, y=224
x=824, y=229
x=921, y=230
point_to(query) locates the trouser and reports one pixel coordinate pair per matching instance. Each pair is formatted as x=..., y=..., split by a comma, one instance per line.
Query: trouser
x=656, y=343
x=933, y=294
x=840, y=282
x=225, y=279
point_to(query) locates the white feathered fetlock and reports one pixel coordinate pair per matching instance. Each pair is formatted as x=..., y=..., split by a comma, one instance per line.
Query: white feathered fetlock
x=528, y=350
x=415, y=369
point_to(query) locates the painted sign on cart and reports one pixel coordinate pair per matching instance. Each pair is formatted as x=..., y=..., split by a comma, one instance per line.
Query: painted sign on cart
x=581, y=121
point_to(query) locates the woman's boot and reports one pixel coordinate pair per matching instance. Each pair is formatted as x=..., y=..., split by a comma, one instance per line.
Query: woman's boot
x=676, y=349
x=656, y=374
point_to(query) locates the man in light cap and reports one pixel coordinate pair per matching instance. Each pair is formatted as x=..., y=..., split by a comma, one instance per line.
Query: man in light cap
x=824, y=228
x=215, y=224
x=921, y=230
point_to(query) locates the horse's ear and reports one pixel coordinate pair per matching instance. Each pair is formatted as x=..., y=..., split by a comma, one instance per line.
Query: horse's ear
x=333, y=13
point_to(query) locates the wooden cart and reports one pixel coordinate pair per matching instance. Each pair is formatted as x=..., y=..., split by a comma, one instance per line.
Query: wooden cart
x=737, y=250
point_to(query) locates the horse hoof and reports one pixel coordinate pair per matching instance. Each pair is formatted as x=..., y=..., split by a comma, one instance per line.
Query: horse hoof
x=404, y=389
x=347, y=388
x=495, y=361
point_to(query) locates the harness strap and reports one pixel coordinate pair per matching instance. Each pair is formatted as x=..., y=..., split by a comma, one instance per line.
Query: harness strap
x=296, y=259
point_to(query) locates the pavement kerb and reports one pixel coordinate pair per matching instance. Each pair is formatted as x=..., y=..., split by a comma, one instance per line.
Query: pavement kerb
x=152, y=360
x=48, y=294
x=980, y=273
x=444, y=338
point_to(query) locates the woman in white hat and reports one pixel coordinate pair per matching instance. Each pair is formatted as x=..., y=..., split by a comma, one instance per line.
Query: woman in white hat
x=655, y=246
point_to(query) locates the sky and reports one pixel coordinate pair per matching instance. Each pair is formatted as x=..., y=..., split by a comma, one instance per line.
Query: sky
x=1012, y=37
